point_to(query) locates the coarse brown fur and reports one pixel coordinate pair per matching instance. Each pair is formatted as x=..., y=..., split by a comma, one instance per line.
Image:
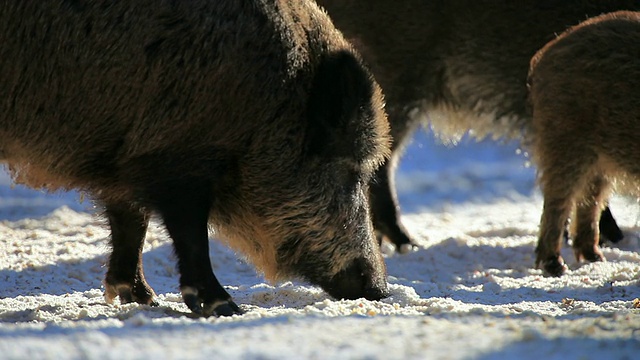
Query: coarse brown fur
x=254, y=117
x=456, y=66
x=585, y=95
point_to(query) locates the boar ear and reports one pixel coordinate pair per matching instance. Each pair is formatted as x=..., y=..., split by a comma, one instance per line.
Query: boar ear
x=341, y=114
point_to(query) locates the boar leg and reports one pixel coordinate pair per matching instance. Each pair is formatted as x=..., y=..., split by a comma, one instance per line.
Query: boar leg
x=125, y=277
x=384, y=208
x=608, y=228
x=585, y=244
x=185, y=209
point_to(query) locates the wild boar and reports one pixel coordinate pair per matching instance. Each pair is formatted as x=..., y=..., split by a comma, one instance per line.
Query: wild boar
x=455, y=66
x=254, y=117
x=585, y=95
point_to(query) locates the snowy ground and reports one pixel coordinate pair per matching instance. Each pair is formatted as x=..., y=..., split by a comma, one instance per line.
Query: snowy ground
x=468, y=292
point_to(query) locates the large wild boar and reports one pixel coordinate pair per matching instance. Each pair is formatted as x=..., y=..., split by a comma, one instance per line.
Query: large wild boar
x=255, y=117
x=455, y=66
x=585, y=95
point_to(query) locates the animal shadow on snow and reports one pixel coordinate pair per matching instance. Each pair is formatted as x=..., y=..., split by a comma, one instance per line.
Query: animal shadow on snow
x=134, y=322
x=86, y=274
x=540, y=347
x=472, y=274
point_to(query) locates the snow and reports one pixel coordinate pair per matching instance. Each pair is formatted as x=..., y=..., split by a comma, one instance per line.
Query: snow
x=468, y=292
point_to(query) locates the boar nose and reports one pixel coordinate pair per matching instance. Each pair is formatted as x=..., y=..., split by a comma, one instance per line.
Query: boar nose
x=359, y=280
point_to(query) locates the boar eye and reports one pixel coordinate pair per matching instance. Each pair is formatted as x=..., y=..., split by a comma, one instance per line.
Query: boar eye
x=350, y=178
x=352, y=183
x=357, y=176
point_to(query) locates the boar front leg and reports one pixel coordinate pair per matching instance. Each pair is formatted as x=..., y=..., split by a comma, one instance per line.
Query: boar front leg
x=125, y=277
x=185, y=207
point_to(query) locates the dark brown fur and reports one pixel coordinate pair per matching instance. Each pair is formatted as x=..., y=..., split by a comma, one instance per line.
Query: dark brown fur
x=254, y=117
x=585, y=94
x=456, y=66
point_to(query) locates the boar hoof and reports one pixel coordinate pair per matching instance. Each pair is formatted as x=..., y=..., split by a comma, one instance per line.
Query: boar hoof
x=209, y=308
x=592, y=255
x=402, y=246
x=553, y=266
x=226, y=308
x=143, y=295
x=407, y=248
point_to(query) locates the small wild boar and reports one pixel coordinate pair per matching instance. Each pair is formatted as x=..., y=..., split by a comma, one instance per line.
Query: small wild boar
x=455, y=66
x=255, y=117
x=585, y=95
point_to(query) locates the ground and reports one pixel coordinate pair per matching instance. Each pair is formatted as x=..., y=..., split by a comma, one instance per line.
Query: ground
x=468, y=291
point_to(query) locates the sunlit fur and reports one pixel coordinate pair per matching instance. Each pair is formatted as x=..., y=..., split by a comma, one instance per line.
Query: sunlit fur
x=585, y=94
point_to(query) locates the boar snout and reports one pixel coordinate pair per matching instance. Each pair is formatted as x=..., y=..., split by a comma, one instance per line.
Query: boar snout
x=361, y=279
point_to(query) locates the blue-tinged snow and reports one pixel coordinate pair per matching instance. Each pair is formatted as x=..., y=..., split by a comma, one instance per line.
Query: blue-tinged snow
x=432, y=174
